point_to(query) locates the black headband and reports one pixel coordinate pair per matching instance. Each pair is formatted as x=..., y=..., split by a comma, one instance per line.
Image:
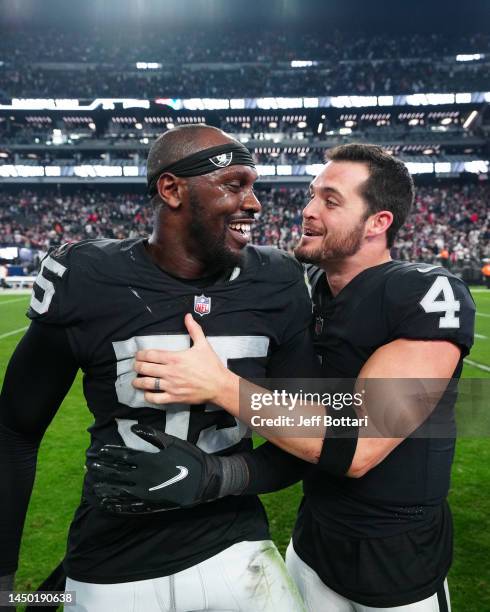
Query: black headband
x=204, y=162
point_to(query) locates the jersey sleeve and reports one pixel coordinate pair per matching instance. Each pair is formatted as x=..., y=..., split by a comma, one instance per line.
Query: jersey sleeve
x=430, y=304
x=57, y=295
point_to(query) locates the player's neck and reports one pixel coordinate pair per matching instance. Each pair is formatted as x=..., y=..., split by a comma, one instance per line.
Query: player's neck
x=340, y=272
x=175, y=259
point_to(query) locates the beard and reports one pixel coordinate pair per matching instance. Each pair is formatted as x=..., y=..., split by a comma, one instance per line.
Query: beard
x=333, y=247
x=213, y=250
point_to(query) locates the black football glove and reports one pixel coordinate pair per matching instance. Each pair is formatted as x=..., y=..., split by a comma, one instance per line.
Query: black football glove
x=179, y=475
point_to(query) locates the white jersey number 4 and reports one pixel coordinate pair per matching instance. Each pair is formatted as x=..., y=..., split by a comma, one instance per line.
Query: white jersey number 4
x=448, y=304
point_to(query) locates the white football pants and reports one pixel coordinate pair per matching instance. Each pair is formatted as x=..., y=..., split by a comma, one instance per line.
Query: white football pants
x=247, y=577
x=318, y=597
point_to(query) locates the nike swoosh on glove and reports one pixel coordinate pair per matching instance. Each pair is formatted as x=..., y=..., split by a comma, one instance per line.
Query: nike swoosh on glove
x=178, y=475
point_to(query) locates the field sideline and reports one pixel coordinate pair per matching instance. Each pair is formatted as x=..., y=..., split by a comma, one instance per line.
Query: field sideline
x=61, y=458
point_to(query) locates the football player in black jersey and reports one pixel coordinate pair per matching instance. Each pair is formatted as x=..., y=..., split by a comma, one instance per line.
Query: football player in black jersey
x=374, y=529
x=94, y=305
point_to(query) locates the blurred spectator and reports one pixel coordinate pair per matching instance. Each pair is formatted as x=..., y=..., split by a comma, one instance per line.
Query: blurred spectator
x=486, y=272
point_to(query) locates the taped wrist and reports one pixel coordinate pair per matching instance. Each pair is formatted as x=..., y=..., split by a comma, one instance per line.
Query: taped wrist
x=234, y=475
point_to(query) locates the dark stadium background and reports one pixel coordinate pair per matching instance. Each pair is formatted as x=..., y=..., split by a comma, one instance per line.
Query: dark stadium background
x=69, y=172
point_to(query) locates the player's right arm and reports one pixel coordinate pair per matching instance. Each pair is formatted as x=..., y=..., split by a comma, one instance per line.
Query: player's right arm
x=39, y=374
x=38, y=377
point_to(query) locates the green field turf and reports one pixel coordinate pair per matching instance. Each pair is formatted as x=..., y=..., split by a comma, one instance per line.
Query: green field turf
x=60, y=471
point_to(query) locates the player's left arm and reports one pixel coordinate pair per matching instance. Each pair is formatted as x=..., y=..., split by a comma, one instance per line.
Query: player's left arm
x=427, y=366
x=430, y=316
x=392, y=407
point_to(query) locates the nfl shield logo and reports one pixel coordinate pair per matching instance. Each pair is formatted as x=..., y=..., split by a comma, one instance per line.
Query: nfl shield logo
x=202, y=305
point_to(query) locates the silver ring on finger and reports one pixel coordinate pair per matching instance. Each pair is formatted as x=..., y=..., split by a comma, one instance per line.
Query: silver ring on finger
x=157, y=384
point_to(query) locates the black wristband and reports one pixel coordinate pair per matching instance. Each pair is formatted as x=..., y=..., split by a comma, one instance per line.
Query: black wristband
x=234, y=475
x=337, y=454
x=340, y=443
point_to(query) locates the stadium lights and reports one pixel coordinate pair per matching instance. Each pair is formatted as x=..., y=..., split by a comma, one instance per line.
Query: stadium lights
x=9, y=253
x=270, y=103
x=57, y=137
x=429, y=99
x=476, y=167
x=135, y=104
x=442, y=167
x=52, y=170
x=353, y=101
x=94, y=171
x=420, y=167
x=469, y=120
x=261, y=170
x=310, y=102
x=130, y=170
x=469, y=57
x=148, y=65
x=313, y=169
x=19, y=170
x=386, y=101
x=69, y=104
x=465, y=98
x=303, y=63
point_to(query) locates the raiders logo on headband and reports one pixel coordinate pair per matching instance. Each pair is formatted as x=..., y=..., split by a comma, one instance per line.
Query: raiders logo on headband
x=222, y=160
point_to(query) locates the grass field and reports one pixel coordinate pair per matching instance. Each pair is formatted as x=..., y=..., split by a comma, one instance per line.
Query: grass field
x=61, y=459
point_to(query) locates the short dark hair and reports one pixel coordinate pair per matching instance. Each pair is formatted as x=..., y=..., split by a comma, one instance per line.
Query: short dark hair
x=389, y=186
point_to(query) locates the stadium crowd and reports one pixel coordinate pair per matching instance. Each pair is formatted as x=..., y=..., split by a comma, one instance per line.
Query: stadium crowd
x=90, y=66
x=369, y=77
x=132, y=45
x=450, y=223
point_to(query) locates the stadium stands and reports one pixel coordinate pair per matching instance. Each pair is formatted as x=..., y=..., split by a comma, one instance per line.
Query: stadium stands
x=108, y=144
x=90, y=65
x=451, y=217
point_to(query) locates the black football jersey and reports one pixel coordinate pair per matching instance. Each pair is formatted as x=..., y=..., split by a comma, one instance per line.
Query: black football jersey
x=406, y=492
x=113, y=300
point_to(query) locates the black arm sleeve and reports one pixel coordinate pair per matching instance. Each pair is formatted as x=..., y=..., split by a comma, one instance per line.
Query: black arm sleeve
x=271, y=469
x=38, y=377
